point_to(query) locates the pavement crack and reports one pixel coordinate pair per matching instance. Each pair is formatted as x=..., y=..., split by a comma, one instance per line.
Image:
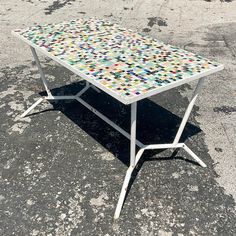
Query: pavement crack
x=231, y=144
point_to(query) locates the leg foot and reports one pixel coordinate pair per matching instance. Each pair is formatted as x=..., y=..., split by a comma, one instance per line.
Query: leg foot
x=194, y=156
x=32, y=107
x=123, y=192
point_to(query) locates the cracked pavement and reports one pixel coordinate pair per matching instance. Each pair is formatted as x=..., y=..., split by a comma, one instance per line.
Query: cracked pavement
x=62, y=168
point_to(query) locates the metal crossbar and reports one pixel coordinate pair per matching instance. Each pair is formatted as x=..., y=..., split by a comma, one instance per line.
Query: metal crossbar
x=134, y=157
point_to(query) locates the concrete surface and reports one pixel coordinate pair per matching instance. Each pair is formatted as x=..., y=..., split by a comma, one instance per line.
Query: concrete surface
x=61, y=168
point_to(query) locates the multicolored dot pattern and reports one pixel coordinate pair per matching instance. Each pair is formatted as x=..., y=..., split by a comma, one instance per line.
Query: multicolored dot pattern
x=127, y=63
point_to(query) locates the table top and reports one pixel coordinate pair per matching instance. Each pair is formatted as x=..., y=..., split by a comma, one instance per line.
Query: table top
x=127, y=65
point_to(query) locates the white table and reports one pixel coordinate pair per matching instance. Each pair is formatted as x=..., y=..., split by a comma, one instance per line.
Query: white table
x=126, y=65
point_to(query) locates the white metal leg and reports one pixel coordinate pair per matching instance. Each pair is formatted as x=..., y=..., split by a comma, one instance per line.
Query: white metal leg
x=133, y=133
x=51, y=97
x=135, y=158
x=194, y=156
x=41, y=71
x=123, y=192
x=188, y=111
x=132, y=160
x=32, y=107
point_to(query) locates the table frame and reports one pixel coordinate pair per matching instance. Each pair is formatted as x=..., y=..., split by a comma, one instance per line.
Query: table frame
x=134, y=157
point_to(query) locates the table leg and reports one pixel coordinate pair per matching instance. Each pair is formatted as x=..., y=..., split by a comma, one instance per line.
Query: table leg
x=133, y=134
x=41, y=71
x=184, y=121
x=188, y=111
x=45, y=84
x=132, y=160
x=32, y=107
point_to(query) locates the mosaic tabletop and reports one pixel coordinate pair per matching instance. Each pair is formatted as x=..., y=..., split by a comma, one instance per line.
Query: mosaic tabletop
x=129, y=66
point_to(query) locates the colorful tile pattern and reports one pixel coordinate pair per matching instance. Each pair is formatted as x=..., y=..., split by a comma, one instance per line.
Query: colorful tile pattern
x=127, y=63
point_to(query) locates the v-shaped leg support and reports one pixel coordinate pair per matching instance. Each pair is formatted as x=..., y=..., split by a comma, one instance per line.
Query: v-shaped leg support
x=49, y=94
x=134, y=158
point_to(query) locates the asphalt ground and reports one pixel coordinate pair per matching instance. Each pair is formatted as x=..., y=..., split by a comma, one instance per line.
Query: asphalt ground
x=62, y=168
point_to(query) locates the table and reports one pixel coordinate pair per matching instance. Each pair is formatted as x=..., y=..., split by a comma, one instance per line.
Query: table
x=127, y=65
